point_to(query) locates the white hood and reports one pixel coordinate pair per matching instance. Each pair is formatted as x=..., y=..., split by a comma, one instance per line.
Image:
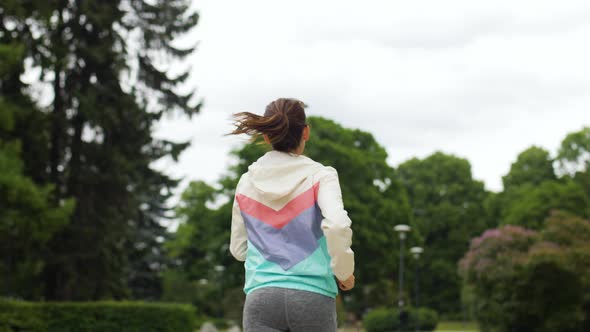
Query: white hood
x=277, y=174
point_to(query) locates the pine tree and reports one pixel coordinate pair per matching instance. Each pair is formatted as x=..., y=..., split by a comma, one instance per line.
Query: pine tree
x=107, y=63
x=27, y=217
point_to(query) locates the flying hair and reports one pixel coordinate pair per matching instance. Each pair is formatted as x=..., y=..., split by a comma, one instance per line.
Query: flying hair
x=282, y=122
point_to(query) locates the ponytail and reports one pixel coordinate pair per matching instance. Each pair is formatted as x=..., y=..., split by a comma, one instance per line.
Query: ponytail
x=282, y=123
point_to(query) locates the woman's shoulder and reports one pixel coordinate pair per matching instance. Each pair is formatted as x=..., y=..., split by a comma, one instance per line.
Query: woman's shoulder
x=242, y=180
x=324, y=170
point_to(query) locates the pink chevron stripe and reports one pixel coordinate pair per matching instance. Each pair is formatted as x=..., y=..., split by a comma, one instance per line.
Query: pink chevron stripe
x=278, y=219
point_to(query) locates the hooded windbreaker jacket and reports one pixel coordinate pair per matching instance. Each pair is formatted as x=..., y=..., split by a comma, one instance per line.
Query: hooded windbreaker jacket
x=290, y=227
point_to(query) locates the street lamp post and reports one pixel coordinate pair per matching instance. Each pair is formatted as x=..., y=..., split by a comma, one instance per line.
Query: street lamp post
x=402, y=230
x=417, y=251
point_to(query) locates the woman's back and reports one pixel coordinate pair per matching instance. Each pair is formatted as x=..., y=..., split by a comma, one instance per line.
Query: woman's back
x=278, y=202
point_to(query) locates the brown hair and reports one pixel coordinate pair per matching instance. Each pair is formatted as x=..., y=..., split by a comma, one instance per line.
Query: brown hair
x=283, y=123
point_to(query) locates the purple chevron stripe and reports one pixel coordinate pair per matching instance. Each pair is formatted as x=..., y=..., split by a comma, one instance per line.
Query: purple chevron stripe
x=291, y=244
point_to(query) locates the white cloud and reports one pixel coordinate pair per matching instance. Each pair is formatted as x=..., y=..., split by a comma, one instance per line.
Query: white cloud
x=483, y=80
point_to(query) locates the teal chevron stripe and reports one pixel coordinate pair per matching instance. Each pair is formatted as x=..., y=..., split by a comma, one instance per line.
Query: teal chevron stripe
x=312, y=274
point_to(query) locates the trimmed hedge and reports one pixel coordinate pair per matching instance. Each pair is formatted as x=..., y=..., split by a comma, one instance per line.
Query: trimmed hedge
x=381, y=319
x=388, y=319
x=95, y=317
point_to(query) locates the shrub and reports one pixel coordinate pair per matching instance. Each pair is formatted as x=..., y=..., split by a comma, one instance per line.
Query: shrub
x=388, y=319
x=530, y=281
x=427, y=319
x=95, y=317
x=21, y=316
x=381, y=320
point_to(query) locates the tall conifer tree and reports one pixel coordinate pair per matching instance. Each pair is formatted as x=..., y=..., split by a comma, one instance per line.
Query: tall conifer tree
x=107, y=64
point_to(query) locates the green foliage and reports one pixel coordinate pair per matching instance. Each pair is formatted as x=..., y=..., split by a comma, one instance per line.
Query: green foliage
x=497, y=255
x=28, y=215
x=27, y=223
x=340, y=312
x=94, y=142
x=381, y=320
x=11, y=55
x=529, y=205
x=388, y=319
x=375, y=200
x=532, y=189
x=457, y=325
x=469, y=301
x=200, y=247
x=95, y=317
x=425, y=318
x=574, y=158
x=446, y=203
x=574, y=153
x=213, y=301
x=531, y=281
x=548, y=296
x=177, y=287
x=572, y=235
x=533, y=166
x=566, y=229
x=22, y=316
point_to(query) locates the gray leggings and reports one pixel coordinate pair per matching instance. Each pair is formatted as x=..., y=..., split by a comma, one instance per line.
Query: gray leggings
x=272, y=309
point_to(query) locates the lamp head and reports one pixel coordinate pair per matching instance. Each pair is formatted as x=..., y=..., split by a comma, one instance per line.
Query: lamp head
x=402, y=230
x=416, y=251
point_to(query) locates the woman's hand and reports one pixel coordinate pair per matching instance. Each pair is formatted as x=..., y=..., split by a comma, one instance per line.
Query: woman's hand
x=347, y=284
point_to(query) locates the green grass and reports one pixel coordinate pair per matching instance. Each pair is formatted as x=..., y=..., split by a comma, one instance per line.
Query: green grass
x=442, y=327
x=457, y=326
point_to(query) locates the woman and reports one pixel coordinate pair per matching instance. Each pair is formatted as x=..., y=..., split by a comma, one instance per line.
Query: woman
x=290, y=227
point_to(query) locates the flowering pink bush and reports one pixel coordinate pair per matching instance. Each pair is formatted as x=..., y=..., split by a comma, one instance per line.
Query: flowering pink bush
x=529, y=281
x=497, y=252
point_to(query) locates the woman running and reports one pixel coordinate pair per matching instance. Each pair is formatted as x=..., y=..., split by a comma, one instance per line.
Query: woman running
x=290, y=227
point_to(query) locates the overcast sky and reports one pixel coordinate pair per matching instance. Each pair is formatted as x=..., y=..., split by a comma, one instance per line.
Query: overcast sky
x=483, y=80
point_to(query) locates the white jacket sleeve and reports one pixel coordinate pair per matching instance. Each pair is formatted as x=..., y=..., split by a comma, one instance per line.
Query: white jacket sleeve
x=336, y=225
x=238, y=244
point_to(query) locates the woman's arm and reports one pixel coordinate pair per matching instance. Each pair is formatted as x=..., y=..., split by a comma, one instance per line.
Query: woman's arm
x=336, y=225
x=238, y=244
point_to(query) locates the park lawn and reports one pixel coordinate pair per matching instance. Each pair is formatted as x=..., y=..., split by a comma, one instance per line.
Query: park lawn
x=442, y=327
x=457, y=326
